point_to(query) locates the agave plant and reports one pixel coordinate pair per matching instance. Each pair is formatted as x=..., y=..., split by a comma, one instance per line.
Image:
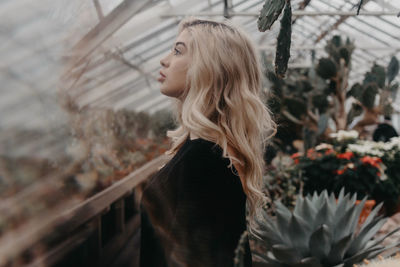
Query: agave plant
x=321, y=231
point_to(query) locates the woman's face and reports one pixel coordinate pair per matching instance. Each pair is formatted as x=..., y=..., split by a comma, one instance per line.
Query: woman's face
x=175, y=66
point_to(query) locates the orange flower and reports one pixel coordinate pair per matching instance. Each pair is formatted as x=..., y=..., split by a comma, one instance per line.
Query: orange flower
x=346, y=155
x=329, y=151
x=295, y=155
x=340, y=172
x=373, y=161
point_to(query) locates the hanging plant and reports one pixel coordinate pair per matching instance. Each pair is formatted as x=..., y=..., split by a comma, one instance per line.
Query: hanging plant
x=268, y=15
x=283, y=43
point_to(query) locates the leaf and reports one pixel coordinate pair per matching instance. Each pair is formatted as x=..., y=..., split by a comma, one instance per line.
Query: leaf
x=345, y=53
x=269, y=14
x=338, y=250
x=283, y=217
x=393, y=89
x=378, y=241
x=320, y=101
x=356, y=91
x=336, y=40
x=362, y=255
x=368, y=95
x=365, y=235
x=320, y=242
x=299, y=232
x=324, y=215
x=357, y=211
x=326, y=68
x=340, y=210
x=295, y=106
x=392, y=69
x=342, y=228
x=283, y=42
x=286, y=254
x=308, y=210
x=299, y=206
x=380, y=75
x=371, y=215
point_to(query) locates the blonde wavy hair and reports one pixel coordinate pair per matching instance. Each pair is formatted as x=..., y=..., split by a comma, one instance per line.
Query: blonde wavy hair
x=223, y=102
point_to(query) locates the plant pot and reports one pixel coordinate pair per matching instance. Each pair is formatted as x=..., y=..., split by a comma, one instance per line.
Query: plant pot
x=368, y=206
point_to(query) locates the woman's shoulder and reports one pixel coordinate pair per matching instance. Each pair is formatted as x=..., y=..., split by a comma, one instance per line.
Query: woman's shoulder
x=202, y=149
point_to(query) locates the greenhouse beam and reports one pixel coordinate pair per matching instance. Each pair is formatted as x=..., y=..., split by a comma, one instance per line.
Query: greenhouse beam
x=294, y=14
x=99, y=11
x=105, y=28
x=390, y=48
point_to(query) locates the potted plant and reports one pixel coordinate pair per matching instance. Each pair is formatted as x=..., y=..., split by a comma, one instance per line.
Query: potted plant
x=366, y=168
x=389, y=153
x=321, y=231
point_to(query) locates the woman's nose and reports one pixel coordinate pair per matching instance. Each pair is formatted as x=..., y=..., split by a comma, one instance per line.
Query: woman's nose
x=163, y=62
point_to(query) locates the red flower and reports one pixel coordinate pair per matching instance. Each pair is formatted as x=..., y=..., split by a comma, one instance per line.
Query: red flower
x=346, y=155
x=295, y=155
x=329, y=151
x=340, y=172
x=373, y=161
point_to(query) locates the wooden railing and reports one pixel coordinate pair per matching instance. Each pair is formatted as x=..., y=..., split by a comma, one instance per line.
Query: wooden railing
x=91, y=233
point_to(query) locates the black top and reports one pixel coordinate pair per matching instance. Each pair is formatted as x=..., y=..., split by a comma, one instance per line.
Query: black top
x=193, y=210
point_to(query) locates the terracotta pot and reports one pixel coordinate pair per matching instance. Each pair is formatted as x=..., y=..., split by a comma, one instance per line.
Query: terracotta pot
x=369, y=205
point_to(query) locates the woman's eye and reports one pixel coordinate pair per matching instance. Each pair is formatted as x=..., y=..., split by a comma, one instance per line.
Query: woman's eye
x=176, y=51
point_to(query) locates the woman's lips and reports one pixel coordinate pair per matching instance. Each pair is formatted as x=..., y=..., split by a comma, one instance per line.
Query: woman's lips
x=161, y=78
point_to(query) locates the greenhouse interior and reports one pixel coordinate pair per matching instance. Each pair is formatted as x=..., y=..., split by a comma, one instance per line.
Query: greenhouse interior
x=89, y=149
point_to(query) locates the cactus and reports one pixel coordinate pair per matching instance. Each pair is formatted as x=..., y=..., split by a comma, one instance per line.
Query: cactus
x=283, y=43
x=269, y=14
x=393, y=69
x=321, y=231
x=326, y=68
x=311, y=98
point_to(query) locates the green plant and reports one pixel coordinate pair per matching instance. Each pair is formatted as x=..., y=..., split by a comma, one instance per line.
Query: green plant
x=321, y=231
x=389, y=153
x=364, y=167
x=282, y=183
x=311, y=103
x=329, y=167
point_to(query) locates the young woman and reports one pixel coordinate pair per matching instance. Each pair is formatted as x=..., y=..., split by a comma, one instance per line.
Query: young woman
x=194, y=208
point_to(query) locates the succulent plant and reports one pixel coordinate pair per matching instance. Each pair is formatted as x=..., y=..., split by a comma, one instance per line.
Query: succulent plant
x=321, y=231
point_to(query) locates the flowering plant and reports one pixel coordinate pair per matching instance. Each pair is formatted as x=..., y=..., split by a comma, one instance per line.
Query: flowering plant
x=366, y=168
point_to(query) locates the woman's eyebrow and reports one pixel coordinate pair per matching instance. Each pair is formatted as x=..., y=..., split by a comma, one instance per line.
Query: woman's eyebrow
x=180, y=43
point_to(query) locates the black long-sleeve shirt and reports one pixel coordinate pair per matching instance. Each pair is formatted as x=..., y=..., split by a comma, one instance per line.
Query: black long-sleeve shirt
x=193, y=210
